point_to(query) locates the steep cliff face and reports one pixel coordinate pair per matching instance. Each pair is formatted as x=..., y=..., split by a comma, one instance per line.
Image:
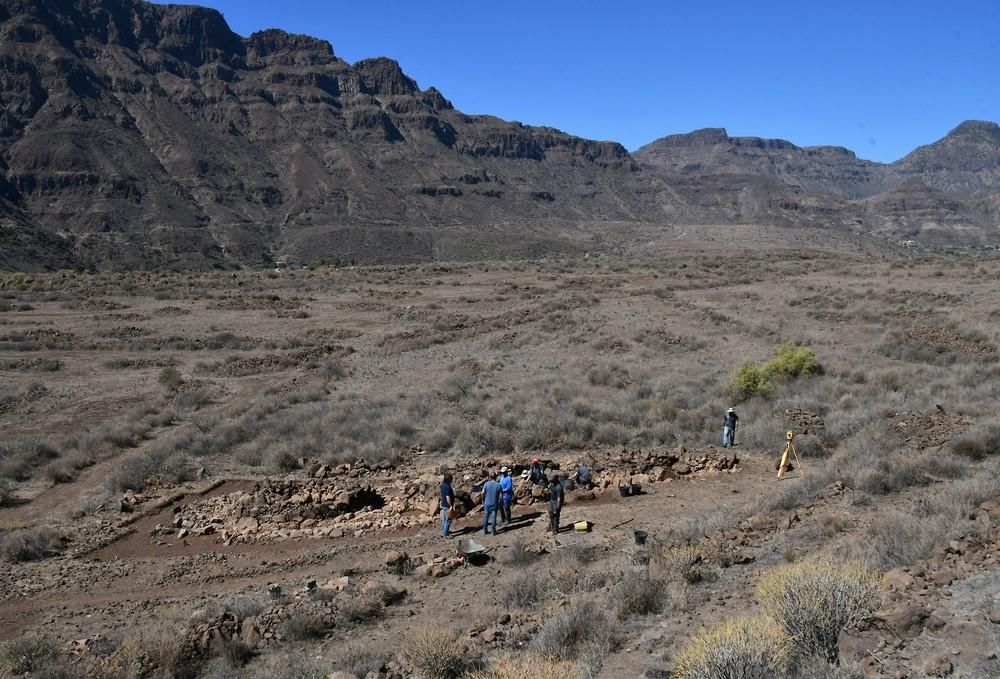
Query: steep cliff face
x=156, y=131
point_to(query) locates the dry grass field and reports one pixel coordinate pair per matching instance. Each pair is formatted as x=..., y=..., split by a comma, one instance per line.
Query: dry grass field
x=233, y=474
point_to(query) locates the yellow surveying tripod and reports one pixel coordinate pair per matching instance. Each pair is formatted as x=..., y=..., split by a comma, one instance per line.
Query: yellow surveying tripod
x=789, y=448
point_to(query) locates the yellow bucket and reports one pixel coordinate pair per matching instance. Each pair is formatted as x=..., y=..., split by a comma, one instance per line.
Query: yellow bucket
x=582, y=526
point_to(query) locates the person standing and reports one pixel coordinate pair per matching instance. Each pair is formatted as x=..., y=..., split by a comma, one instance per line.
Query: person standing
x=556, y=498
x=732, y=423
x=506, y=494
x=491, y=504
x=447, y=504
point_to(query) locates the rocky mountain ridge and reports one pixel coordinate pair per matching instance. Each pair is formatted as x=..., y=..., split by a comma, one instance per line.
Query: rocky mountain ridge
x=148, y=136
x=965, y=162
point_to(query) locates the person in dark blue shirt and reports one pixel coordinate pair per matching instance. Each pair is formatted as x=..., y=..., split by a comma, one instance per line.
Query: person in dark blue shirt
x=491, y=504
x=506, y=494
x=447, y=504
x=732, y=423
x=556, y=498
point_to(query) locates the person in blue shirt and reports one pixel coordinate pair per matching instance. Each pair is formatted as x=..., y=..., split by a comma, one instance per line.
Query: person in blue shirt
x=506, y=495
x=447, y=504
x=491, y=503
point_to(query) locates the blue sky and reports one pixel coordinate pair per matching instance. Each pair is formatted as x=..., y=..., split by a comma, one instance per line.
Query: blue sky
x=878, y=77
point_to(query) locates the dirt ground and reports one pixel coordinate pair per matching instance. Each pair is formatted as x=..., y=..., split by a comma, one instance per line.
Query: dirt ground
x=179, y=447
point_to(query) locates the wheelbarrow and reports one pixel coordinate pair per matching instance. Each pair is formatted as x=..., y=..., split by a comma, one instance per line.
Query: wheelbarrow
x=472, y=551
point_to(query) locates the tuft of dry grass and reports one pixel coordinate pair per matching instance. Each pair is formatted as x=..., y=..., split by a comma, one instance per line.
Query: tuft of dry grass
x=437, y=653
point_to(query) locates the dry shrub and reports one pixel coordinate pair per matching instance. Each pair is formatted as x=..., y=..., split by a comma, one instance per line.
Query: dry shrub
x=26, y=654
x=303, y=625
x=363, y=608
x=681, y=563
x=528, y=666
x=580, y=631
x=815, y=600
x=18, y=459
x=522, y=591
x=748, y=648
x=436, y=654
x=520, y=555
x=157, y=652
x=980, y=442
x=360, y=659
x=30, y=544
x=639, y=594
x=6, y=493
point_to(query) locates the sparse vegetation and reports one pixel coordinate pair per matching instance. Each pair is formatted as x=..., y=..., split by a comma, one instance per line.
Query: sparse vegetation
x=549, y=358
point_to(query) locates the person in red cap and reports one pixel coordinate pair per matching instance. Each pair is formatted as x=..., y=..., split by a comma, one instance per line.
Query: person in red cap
x=535, y=472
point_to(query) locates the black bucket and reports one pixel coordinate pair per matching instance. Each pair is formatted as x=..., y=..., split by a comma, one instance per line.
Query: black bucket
x=624, y=491
x=636, y=489
x=640, y=536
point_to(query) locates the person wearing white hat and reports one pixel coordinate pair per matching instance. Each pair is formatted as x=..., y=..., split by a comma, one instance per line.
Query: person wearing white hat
x=506, y=494
x=732, y=423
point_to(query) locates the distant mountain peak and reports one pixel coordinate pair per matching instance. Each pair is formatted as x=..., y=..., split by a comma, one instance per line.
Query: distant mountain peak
x=976, y=127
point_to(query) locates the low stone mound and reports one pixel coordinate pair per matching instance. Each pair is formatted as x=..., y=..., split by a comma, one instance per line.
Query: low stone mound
x=802, y=421
x=284, y=509
x=928, y=431
x=943, y=340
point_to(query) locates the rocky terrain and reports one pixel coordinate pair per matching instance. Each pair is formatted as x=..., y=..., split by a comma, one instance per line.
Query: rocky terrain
x=234, y=474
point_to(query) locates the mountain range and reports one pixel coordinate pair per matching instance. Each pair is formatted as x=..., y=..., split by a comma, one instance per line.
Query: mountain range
x=141, y=135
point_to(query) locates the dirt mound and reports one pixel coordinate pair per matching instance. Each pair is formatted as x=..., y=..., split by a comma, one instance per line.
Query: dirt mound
x=927, y=431
x=940, y=340
x=171, y=311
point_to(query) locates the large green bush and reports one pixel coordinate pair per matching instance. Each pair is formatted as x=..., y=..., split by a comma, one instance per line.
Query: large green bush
x=792, y=360
x=789, y=361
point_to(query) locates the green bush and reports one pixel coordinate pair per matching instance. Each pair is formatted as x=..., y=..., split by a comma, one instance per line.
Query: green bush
x=790, y=360
x=750, y=380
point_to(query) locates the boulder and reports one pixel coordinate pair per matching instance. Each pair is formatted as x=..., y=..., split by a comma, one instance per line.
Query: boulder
x=249, y=634
x=906, y=621
x=939, y=666
x=396, y=560
x=681, y=468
